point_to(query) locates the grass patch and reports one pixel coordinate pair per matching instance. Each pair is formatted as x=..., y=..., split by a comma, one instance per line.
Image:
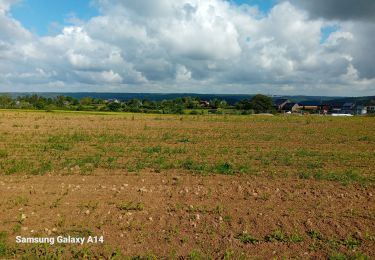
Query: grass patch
x=90, y=205
x=6, y=251
x=195, y=255
x=247, y=238
x=17, y=201
x=264, y=196
x=3, y=154
x=224, y=168
x=184, y=140
x=280, y=236
x=18, y=166
x=315, y=235
x=131, y=206
x=314, y=165
x=3, y=235
x=44, y=167
x=351, y=242
x=17, y=228
x=347, y=177
x=191, y=165
x=303, y=152
x=60, y=146
x=366, y=139
x=151, y=150
x=277, y=235
x=219, y=209
x=342, y=256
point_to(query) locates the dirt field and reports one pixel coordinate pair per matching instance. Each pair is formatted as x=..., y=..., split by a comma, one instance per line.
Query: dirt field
x=195, y=187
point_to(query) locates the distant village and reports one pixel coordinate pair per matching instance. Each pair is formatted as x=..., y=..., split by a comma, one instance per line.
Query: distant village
x=324, y=108
x=258, y=104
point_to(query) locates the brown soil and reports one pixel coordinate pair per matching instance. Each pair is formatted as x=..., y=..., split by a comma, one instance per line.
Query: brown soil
x=223, y=187
x=181, y=212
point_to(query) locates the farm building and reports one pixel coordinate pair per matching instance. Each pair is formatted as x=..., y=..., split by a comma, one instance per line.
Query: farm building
x=280, y=103
x=344, y=108
x=310, y=106
x=332, y=107
x=370, y=109
x=204, y=103
x=290, y=107
x=370, y=106
x=360, y=110
x=348, y=108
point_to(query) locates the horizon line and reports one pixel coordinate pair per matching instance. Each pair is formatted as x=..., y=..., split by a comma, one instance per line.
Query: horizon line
x=173, y=93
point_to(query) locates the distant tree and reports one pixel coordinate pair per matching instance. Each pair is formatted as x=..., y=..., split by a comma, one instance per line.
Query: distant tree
x=166, y=106
x=40, y=102
x=60, y=101
x=179, y=101
x=261, y=103
x=86, y=101
x=214, y=103
x=49, y=108
x=5, y=101
x=97, y=101
x=178, y=109
x=148, y=104
x=190, y=103
x=114, y=106
x=134, y=103
x=223, y=104
x=244, y=104
x=72, y=101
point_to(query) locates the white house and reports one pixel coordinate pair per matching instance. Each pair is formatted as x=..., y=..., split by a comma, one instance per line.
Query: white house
x=360, y=110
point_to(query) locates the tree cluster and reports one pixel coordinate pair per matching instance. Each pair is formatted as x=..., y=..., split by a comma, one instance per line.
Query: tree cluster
x=257, y=104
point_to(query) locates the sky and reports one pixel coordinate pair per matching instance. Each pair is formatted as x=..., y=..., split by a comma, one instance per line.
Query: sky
x=280, y=47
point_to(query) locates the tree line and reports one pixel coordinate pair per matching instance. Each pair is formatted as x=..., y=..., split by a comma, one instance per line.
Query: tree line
x=183, y=105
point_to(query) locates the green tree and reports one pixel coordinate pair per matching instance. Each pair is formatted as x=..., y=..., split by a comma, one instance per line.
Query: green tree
x=244, y=104
x=114, y=106
x=223, y=104
x=149, y=104
x=261, y=103
x=5, y=101
x=86, y=101
x=72, y=101
x=59, y=101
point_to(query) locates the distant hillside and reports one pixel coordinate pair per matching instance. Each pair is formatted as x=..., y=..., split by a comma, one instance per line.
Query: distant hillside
x=319, y=100
x=357, y=100
x=230, y=98
x=309, y=99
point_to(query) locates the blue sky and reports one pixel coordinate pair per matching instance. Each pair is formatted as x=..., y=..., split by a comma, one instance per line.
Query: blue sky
x=264, y=5
x=39, y=15
x=47, y=17
x=326, y=32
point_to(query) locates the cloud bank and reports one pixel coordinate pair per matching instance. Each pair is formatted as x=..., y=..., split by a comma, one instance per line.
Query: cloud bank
x=339, y=9
x=206, y=46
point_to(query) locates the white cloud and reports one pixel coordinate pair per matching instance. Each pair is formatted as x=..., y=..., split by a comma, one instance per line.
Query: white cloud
x=182, y=74
x=6, y=4
x=190, y=46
